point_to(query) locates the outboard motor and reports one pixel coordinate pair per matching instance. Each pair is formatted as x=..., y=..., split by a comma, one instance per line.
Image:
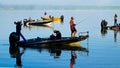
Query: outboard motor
x=14, y=49
x=13, y=38
x=25, y=21
x=104, y=24
x=62, y=18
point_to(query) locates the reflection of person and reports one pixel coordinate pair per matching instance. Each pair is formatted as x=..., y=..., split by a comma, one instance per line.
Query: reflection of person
x=115, y=36
x=56, y=53
x=72, y=27
x=58, y=34
x=73, y=57
x=115, y=19
x=15, y=53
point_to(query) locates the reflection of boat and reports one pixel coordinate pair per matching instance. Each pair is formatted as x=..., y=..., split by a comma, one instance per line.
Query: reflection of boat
x=38, y=22
x=72, y=46
x=56, y=50
x=104, y=32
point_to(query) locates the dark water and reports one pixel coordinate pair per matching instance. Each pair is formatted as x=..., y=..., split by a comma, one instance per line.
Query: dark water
x=103, y=48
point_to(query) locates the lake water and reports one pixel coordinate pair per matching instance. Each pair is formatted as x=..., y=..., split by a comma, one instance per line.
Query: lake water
x=103, y=48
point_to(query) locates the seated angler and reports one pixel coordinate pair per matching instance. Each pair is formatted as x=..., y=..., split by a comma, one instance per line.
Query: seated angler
x=58, y=34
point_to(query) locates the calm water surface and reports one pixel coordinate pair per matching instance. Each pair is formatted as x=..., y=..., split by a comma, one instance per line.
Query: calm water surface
x=103, y=48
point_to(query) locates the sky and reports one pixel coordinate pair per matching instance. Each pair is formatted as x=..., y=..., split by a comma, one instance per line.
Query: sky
x=62, y=2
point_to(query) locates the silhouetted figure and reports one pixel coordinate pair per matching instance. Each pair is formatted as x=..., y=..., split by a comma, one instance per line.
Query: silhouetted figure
x=18, y=29
x=58, y=34
x=104, y=24
x=72, y=27
x=18, y=26
x=30, y=19
x=115, y=19
x=62, y=18
x=52, y=37
x=45, y=13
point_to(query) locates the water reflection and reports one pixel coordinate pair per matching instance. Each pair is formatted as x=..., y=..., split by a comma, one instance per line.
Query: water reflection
x=54, y=50
x=73, y=57
x=115, y=36
x=55, y=53
x=16, y=53
x=104, y=32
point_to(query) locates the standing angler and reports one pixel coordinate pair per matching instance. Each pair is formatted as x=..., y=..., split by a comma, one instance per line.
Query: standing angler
x=72, y=27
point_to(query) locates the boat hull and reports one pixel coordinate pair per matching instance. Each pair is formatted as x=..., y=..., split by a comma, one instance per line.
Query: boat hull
x=116, y=28
x=56, y=19
x=38, y=23
x=46, y=41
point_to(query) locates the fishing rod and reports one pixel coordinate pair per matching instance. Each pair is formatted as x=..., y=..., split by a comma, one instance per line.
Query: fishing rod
x=81, y=21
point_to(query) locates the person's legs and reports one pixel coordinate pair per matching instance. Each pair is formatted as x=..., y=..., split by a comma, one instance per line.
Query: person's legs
x=74, y=34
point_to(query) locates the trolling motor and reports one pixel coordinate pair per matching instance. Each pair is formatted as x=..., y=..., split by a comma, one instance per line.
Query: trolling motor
x=81, y=36
x=62, y=18
x=104, y=24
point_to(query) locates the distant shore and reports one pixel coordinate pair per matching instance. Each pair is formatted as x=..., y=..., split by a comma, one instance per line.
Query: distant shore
x=47, y=7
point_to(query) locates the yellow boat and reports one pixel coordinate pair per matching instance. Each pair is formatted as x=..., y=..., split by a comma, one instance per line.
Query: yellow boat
x=54, y=19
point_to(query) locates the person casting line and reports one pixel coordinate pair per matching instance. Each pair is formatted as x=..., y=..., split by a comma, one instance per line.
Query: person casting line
x=72, y=27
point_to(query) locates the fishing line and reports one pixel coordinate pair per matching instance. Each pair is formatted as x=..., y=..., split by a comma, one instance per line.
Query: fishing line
x=81, y=21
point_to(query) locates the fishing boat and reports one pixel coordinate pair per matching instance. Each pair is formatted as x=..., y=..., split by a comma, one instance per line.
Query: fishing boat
x=117, y=28
x=38, y=22
x=54, y=19
x=46, y=41
x=14, y=39
x=114, y=27
x=36, y=42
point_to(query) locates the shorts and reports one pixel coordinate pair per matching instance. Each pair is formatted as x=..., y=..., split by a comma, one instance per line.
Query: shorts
x=73, y=30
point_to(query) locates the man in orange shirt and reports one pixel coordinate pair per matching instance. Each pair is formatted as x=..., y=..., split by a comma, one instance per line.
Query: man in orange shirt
x=72, y=27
